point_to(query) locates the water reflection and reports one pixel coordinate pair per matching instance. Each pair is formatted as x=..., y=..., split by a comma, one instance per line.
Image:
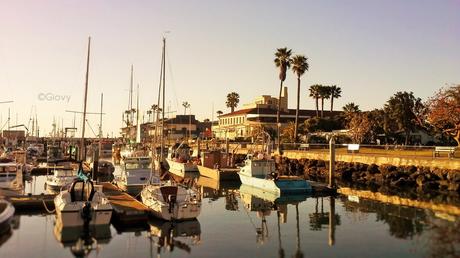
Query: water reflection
x=168, y=236
x=81, y=241
x=244, y=221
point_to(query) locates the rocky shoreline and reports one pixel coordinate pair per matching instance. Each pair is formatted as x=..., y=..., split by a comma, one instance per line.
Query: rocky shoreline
x=408, y=181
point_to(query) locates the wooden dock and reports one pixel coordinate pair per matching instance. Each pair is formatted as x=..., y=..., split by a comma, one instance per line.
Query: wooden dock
x=126, y=209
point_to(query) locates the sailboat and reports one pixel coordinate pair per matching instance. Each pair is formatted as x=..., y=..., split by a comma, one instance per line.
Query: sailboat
x=170, y=201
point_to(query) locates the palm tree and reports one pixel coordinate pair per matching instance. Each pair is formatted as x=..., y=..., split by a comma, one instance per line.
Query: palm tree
x=219, y=112
x=186, y=105
x=314, y=93
x=282, y=61
x=233, y=99
x=324, y=93
x=299, y=67
x=336, y=92
x=351, y=108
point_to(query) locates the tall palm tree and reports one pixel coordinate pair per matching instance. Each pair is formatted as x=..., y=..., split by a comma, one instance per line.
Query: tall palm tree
x=186, y=105
x=233, y=99
x=282, y=61
x=336, y=92
x=315, y=93
x=299, y=67
x=324, y=93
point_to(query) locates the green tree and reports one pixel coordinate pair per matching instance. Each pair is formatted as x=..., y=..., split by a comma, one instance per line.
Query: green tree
x=299, y=67
x=315, y=94
x=336, y=92
x=403, y=112
x=233, y=99
x=282, y=61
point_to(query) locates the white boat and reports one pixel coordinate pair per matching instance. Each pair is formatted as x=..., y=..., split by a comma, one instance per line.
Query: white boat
x=135, y=174
x=60, y=178
x=179, y=160
x=172, y=202
x=82, y=204
x=6, y=216
x=260, y=172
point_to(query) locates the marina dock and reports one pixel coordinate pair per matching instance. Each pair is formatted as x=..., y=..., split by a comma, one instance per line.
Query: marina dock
x=126, y=208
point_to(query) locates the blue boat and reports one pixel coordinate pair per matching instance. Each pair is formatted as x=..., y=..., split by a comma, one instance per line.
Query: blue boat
x=261, y=173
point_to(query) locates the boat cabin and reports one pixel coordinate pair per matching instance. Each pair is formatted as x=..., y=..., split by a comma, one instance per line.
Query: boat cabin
x=258, y=167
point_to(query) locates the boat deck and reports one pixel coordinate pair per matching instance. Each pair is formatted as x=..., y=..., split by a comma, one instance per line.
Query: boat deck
x=126, y=208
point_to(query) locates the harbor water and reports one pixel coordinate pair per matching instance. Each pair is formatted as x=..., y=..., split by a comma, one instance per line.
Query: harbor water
x=238, y=221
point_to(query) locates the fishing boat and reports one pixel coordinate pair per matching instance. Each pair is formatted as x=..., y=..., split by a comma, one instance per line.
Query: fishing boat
x=180, y=161
x=170, y=201
x=104, y=167
x=54, y=154
x=8, y=169
x=6, y=216
x=260, y=172
x=135, y=174
x=82, y=205
x=218, y=166
x=60, y=178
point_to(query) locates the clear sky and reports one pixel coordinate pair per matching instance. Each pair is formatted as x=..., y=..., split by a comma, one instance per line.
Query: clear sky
x=369, y=48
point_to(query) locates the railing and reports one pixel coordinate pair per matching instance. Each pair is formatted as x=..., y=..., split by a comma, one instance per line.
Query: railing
x=365, y=149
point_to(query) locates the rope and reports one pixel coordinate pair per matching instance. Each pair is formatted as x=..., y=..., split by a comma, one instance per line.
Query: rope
x=46, y=208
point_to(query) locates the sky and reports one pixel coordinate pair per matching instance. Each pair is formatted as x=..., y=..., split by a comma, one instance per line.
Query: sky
x=369, y=48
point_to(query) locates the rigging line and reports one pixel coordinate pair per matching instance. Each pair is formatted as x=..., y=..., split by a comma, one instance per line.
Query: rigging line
x=172, y=79
x=90, y=127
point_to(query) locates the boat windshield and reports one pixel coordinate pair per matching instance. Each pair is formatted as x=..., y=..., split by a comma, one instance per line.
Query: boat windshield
x=140, y=165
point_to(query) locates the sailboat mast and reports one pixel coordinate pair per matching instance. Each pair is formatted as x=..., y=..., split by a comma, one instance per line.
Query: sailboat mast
x=163, y=100
x=100, y=117
x=82, y=153
x=138, y=126
x=131, y=95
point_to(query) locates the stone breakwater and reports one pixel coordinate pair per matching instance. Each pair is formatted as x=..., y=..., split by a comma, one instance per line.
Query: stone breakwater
x=376, y=177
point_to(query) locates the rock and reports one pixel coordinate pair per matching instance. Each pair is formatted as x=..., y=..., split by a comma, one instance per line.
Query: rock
x=420, y=180
x=454, y=187
x=453, y=176
x=373, y=169
x=430, y=185
x=411, y=169
x=386, y=169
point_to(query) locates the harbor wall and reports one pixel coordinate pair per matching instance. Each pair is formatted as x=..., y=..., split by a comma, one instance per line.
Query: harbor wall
x=441, y=163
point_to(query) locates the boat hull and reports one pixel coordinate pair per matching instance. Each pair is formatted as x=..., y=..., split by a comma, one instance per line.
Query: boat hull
x=181, y=169
x=278, y=187
x=224, y=174
x=73, y=218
